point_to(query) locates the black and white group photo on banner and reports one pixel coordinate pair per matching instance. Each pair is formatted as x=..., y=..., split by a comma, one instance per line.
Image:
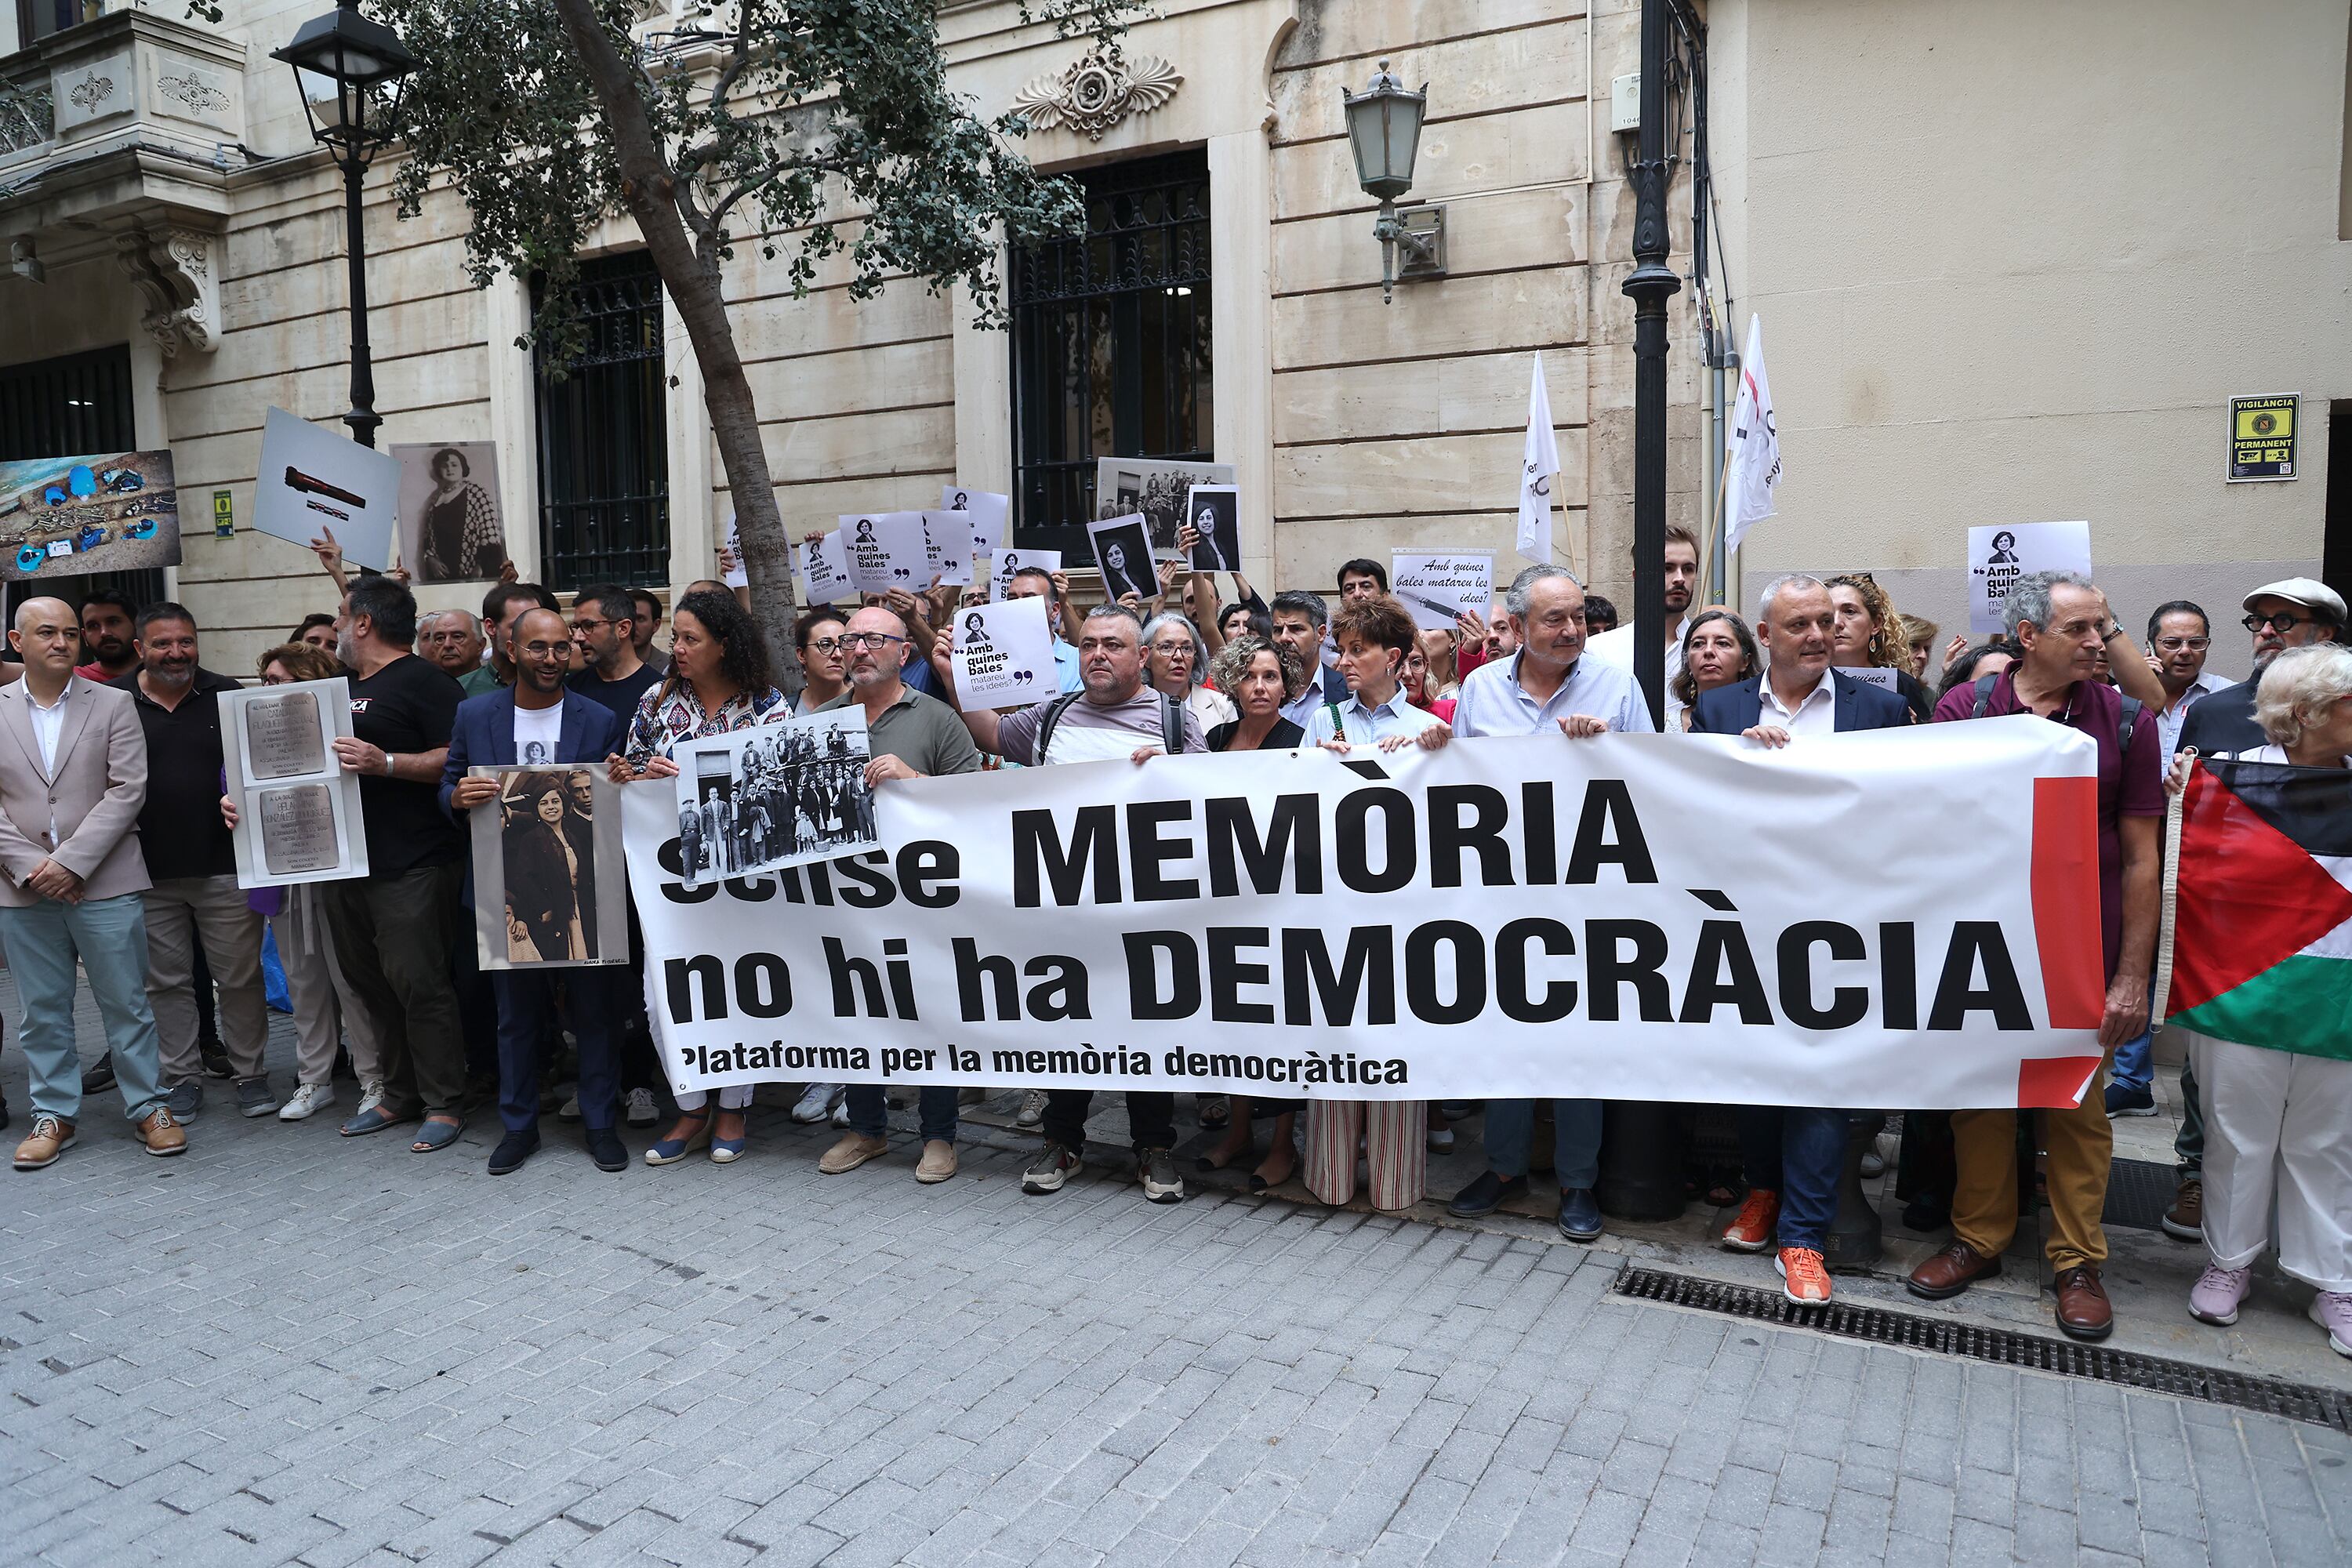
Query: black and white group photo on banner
x=774, y=795
x=550, y=884
x=450, y=527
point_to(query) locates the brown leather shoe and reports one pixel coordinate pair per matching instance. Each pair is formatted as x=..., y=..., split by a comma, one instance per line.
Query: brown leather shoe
x=2185, y=1220
x=1951, y=1271
x=162, y=1134
x=51, y=1136
x=2083, y=1310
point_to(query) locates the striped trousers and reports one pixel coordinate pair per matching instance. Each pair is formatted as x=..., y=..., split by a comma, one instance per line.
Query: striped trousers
x=1395, y=1135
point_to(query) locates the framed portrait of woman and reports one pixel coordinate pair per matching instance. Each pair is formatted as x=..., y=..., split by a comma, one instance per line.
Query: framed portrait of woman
x=550, y=889
x=451, y=526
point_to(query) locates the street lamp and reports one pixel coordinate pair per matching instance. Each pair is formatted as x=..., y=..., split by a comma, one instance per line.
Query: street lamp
x=351, y=73
x=1385, y=135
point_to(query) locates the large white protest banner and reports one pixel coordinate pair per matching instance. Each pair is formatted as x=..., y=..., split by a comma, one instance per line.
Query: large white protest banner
x=2000, y=555
x=1441, y=586
x=1888, y=919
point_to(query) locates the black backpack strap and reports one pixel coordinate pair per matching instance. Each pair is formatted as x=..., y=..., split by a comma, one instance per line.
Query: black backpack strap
x=1172, y=725
x=1984, y=685
x=2132, y=706
x=1053, y=711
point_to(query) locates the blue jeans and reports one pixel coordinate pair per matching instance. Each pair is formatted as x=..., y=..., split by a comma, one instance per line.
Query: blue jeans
x=526, y=1008
x=1796, y=1152
x=1576, y=1139
x=2133, y=1065
x=935, y=1106
x=110, y=936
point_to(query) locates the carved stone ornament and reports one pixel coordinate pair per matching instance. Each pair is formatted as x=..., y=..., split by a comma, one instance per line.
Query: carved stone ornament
x=1095, y=91
x=192, y=91
x=92, y=91
x=173, y=271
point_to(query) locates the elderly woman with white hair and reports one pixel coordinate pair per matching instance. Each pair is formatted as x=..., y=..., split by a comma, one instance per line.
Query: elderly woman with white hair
x=2276, y=1121
x=1176, y=665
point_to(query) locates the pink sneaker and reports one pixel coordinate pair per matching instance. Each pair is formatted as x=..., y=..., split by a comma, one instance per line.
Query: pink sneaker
x=2332, y=1310
x=2215, y=1298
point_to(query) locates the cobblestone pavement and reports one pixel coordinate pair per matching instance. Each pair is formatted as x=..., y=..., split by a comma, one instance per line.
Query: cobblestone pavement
x=290, y=1347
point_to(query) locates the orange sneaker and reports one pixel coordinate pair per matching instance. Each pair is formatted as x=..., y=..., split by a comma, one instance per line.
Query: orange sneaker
x=1752, y=1230
x=1807, y=1282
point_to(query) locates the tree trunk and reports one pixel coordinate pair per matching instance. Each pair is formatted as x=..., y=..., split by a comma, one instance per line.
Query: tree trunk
x=647, y=189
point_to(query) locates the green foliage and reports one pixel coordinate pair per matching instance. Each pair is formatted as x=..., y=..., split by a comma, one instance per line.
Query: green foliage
x=806, y=127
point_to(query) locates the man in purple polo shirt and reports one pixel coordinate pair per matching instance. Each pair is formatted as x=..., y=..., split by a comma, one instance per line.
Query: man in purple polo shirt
x=2060, y=622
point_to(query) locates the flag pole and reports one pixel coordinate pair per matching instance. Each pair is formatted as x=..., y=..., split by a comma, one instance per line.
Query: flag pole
x=1714, y=532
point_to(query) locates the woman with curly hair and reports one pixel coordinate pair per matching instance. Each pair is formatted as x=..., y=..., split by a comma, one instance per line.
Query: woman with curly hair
x=458, y=539
x=1870, y=635
x=717, y=681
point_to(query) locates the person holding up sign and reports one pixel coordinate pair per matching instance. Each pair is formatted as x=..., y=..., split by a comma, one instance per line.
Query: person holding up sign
x=909, y=735
x=1114, y=714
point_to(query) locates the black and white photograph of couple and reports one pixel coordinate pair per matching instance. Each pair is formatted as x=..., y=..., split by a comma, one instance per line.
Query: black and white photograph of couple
x=552, y=889
x=775, y=796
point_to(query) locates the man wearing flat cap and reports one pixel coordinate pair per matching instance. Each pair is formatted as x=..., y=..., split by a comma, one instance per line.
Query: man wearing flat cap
x=2291, y=614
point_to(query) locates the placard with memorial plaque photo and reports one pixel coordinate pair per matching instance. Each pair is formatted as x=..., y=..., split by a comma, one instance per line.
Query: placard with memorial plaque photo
x=298, y=810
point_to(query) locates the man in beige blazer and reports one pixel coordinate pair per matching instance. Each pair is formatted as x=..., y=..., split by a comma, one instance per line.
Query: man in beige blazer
x=73, y=775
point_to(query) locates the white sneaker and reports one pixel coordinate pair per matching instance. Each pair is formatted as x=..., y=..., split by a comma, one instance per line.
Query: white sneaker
x=841, y=1113
x=640, y=1108
x=370, y=1095
x=570, y=1110
x=817, y=1102
x=308, y=1099
x=1032, y=1112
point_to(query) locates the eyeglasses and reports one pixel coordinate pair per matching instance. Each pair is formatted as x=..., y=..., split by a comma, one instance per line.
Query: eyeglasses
x=2174, y=645
x=584, y=626
x=2283, y=621
x=547, y=650
x=825, y=644
x=851, y=641
x=1169, y=649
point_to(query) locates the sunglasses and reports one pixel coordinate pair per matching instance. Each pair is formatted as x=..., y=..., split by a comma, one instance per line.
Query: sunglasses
x=2283, y=621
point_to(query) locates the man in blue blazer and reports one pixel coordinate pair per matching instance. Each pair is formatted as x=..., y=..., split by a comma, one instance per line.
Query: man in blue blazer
x=1792, y=1154
x=551, y=883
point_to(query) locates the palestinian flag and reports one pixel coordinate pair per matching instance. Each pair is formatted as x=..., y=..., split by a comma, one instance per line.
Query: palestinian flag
x=2260, y=916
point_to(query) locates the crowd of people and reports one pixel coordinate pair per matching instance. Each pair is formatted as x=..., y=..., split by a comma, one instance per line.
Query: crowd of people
x=118, y=847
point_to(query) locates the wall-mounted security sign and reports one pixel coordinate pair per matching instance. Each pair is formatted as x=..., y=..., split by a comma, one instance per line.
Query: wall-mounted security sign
x=2262, y=438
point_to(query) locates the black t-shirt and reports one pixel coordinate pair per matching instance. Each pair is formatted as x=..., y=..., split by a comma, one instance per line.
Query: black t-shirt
x=1284, y=736
x=407, y=706
x=180, y=828
x=621, y=696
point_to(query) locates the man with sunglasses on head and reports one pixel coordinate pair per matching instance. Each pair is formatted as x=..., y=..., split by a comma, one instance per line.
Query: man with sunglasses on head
x=909, y=734
x=2295, y=613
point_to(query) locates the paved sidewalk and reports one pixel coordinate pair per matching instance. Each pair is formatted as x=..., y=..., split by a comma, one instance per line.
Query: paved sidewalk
x=290, y=1347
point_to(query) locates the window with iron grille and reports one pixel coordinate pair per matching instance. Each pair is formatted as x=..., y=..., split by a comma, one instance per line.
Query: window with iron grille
x=74, y=406
x=603, y=435
x=1110, y=343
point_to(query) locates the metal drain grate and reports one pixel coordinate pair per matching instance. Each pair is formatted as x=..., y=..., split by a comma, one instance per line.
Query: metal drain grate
x=2139, y=1192
x=2004, y=1347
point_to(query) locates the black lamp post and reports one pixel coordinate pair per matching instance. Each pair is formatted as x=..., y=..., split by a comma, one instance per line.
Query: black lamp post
x=1641, y=1171
x=351, y=73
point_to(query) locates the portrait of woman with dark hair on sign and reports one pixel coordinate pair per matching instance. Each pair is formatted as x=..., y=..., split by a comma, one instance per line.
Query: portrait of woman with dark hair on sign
x=451, y=531
x=550, y=871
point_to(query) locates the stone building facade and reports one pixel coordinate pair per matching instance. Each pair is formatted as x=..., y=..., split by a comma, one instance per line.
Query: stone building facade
x=1955, y=336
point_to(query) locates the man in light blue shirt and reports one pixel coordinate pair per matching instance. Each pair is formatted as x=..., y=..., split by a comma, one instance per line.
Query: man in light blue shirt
x=1375, y=638
x=1038, y=583
x=1547, y=684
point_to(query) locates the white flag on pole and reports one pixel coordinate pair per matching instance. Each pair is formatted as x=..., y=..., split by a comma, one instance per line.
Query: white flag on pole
x=1752, y=462
x=1538, y=466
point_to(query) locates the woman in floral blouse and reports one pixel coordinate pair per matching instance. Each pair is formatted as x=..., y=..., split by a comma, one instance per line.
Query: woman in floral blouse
x=717, y=681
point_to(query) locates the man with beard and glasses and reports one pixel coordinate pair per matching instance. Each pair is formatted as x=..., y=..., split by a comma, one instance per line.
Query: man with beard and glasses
x=191, y=859
x=1616, y=646
x=909, y=735
x=604, y=634
x=107, y=637
x=538, y=715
